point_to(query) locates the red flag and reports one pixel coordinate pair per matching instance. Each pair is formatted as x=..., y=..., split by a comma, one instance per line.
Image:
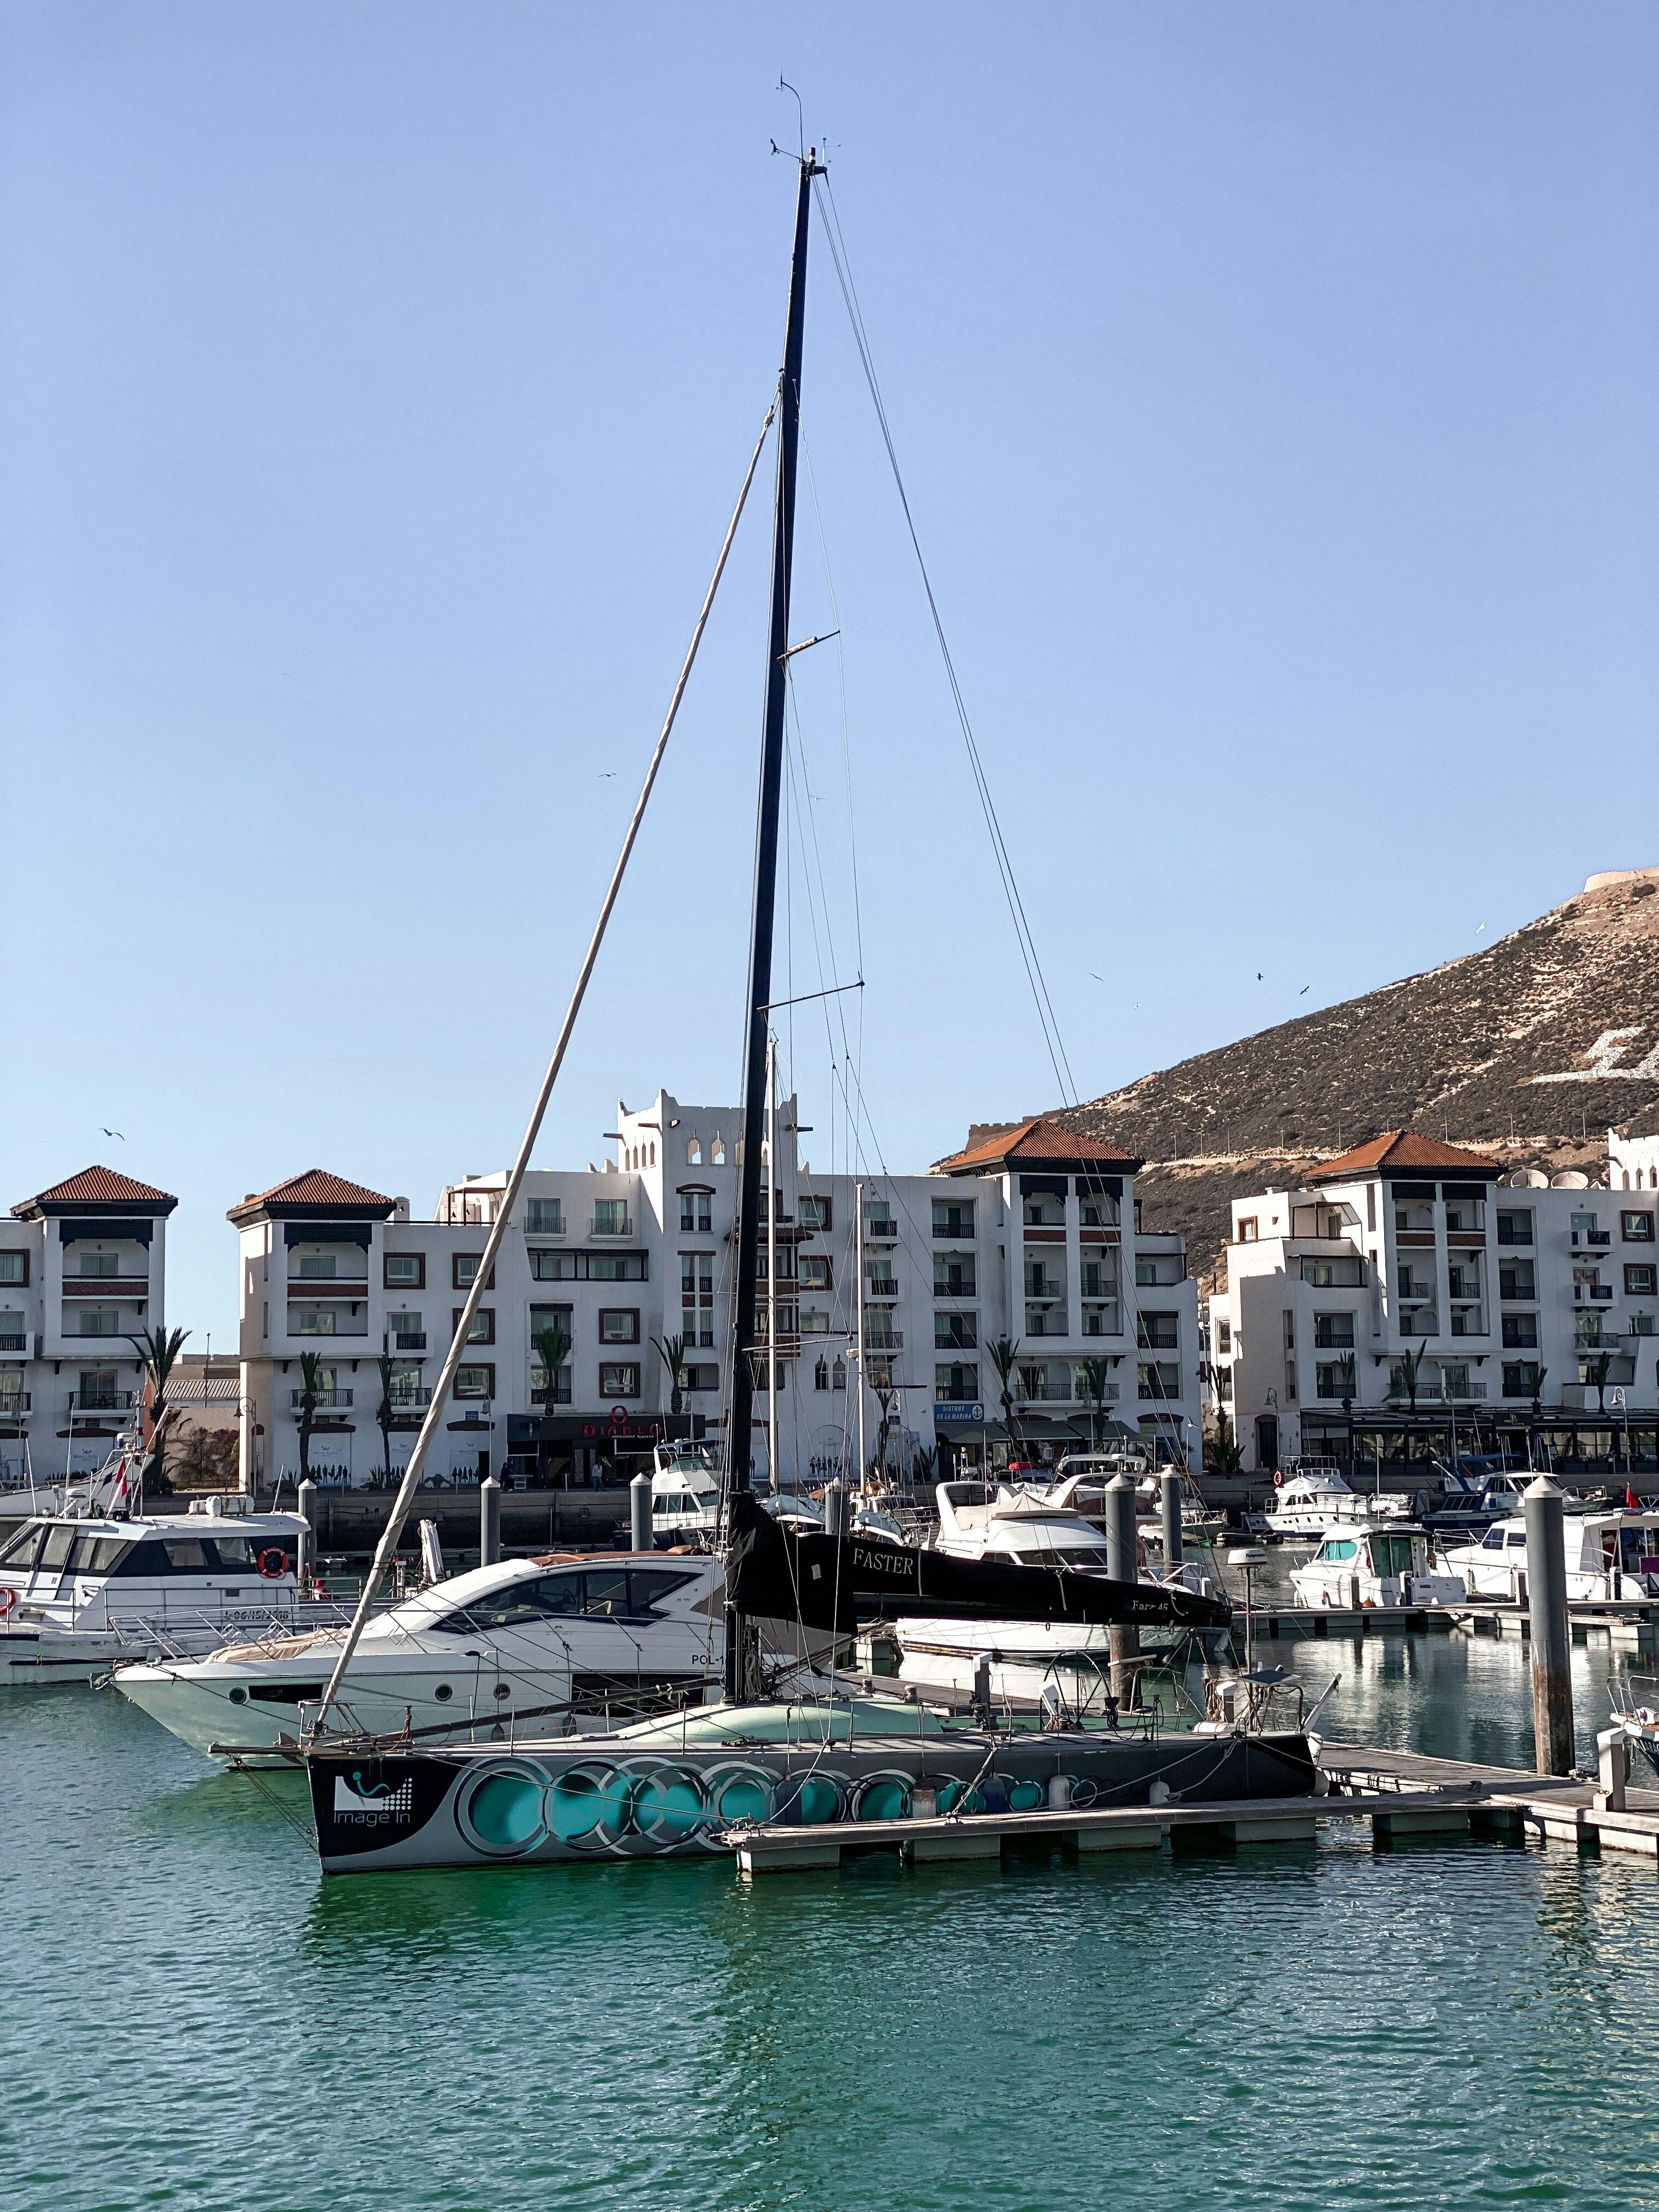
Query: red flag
x=1631, y=1501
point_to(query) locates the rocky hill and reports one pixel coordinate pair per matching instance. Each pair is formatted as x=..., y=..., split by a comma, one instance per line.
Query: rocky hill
x=1530, y=1050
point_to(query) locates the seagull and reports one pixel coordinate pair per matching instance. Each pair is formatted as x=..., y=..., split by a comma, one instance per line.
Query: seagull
x=1258, y=975
x=607, y=776
x=1099, y=979
x=1303, y=992
x=111, y=1133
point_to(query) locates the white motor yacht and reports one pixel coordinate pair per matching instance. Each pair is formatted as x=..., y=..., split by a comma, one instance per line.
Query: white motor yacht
x=1374, y=1562
x=80, y=1590
x=685, y=1495
x=1317, y=1499
x=1610, y=1556
x=568, y=1642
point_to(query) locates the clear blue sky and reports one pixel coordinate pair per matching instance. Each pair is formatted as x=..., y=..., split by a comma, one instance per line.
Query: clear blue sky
x=1276, y=388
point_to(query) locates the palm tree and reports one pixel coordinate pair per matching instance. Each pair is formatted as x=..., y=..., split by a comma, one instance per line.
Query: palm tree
x=1599, y=1368
x=1223, y=1455
x=672, y=1352
x=313, y=1389
x=1003, y=1355
x=887, y=1399
x=158, y=1351
x=384, y=1415
x=1537, y=1375
x=552, y=1348
x=1096, y=1376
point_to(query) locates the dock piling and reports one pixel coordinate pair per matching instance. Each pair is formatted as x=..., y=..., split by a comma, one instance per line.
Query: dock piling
x=1121, y=1566
x=1170, y=1496
x=1551, y=1635
x=639, y=1512
x=490, y=1521
x=305, y=1565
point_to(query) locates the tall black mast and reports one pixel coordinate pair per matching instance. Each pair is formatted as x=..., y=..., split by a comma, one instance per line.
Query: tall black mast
x=739, y=1440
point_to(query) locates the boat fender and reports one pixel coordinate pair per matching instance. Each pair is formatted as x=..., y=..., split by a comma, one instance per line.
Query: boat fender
x=273, y=1564
x=7, y=1600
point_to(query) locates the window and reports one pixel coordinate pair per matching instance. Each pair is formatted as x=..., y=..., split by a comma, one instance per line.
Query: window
x=1514, y=1227
x=406, y=1332
x=695, y=1215
x=1290, y=1330
x=953, y=1216
x=697, y=1298
x=1039, y=1283
x=101, y=1320
x=404, y=1271
x=879, y=1219
x=106, y=1263
x=1334, y=1274
x=1520, y=1332
x=814, y=1322
x=957, y=1385
x=1247, y=1229
x=14, y=1267
x=1333, y=1378
x=483, y=1330
x=1334, y=1331
x=619, y=1378
x=1639, y=1281
x=619, y=1324
x=316, y=1267
x=547, y=1265
x=559, y=1318
x=955, y=1332
x=1099, y=1278
x=1159, y=1380
x=814, y=1212
x=611, y=1216
x=702, y=1378
x=97, y=1393
x=404, y=1387
x=838, y=1376
x=821, y=1376
x=544, y=1217
x=1097, y=1209
x=954, y=1275
x=1516, y=1280
x=1157, y=1332
x=817, y=1271
x=463, y=1268
x=1519, y=1378
x=1637, y=1228
x=1370, y=1205
x=474, y=1382
x=14, y=1337
x=1223, y=1336
x=880, y=1281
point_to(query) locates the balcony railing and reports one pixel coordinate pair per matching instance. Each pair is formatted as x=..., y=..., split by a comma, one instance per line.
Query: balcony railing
x=100, y=1401
x=14, y=1402
x=880, y=1229
x=881, y=1286
x=407, y=1401
x=611, y=1228
x=1047, y=1321
x=1468, y=1321
x=11, y=1342
x=324, y=1400
x=881, y=1339
x=1422, y=1321
x=411, y=1339
x=559, y=1396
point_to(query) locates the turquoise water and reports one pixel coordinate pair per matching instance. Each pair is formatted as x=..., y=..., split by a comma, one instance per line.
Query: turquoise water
x=193, y=2017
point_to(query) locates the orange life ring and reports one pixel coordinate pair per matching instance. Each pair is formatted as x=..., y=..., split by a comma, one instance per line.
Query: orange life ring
x=273, y=1574
x=7, y=1600
x=1279, y=1480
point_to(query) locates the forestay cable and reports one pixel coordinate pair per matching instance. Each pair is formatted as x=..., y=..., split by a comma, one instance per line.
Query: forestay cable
x=388, y=1543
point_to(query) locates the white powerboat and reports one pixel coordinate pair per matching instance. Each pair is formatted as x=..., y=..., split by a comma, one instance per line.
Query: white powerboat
x=685, y=1495
x=569, y=1642
x=79, y=1591
x=1374, y=1562
x=1610, y=1556
x=1317, y=1499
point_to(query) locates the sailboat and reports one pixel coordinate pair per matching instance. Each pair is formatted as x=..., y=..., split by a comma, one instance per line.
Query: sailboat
x=780, y=1745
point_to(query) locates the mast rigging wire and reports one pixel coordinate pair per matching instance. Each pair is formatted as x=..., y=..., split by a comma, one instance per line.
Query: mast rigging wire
x=388, y=1543
x=1045, y=1011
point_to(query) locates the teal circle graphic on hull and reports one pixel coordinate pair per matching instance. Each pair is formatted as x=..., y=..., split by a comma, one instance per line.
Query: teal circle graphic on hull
x=501, y=1807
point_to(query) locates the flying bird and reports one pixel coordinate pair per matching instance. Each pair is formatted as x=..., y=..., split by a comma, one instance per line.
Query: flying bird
x=1258, y=975
x=113, y=1132
x=1303, y=992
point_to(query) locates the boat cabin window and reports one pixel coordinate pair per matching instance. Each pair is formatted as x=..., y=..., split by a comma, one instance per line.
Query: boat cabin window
x=24, y=1550
x=98, y=1555
x=1391, y=1555
x=1338, y=1547
x=1516, y=1540
x=239, y=1552
x=618, y=1593
x=55, y=1551
x=1493, y=1540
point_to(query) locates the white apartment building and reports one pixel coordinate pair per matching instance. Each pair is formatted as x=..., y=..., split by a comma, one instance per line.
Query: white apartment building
x=1030, y=1235
x=1409, y=1259
x=82, y=1268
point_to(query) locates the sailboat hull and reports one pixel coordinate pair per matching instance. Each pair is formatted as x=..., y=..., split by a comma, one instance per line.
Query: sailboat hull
x=604, y=1799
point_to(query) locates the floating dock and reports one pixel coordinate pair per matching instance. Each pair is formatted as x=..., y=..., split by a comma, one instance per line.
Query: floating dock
x=1400, y=1793
x=1631, y=1623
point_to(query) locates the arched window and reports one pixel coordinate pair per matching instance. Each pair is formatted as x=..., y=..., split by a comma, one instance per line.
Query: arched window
x=839, y=1372
x=718, y=1155
x=653, y=1151
x=821, y=1375
x=694, y=1152
x=1625, y=1179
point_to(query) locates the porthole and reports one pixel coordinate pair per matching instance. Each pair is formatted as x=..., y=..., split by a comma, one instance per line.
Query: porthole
x=503, y=1690
x=238, y=1696
x=444, y=1692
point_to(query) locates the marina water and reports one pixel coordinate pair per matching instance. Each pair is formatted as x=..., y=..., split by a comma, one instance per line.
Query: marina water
x=193, y=2017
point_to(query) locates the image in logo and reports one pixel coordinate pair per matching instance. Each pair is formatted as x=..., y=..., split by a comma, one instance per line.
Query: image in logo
x=378, y=1799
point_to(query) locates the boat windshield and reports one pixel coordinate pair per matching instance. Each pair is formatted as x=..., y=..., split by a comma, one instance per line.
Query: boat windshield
x=607, y=1593
x=1337, y=1547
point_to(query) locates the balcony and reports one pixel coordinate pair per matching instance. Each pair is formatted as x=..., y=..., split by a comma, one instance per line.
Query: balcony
x=1047, y=1321
x=404, y=1400
x=610, y=1224
x=1421, y=1320
x=100, y=1401
x=406, y=1340
x=14, y=1404
x=881, y=1339
x=1102, y=1321
x=325, y=1401
x=881, y=1286
x=1592, y=1294
x=14, y=1342
x=558, y=1395
x=1468, y=1321
x=880, y=1229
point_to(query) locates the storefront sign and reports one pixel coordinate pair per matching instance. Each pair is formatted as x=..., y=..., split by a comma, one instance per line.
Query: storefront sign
x=941, y=1413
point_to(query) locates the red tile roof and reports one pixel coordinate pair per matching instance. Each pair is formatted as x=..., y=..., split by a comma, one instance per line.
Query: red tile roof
x=316, y=1191
x=1397, y=1149
x=1036, y=1143
x=98, y=1187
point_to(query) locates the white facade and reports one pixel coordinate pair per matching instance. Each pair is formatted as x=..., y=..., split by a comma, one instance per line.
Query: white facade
x=623, y=1256
x=1502, y=1290
x=82, y=1268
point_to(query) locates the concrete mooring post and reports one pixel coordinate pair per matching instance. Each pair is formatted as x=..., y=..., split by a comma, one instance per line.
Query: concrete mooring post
x=1121, y=1566
x=1551, y=1635
x=639, y=1512
x=490, y=1521
x=305, y=1565
x=1170, y=1494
